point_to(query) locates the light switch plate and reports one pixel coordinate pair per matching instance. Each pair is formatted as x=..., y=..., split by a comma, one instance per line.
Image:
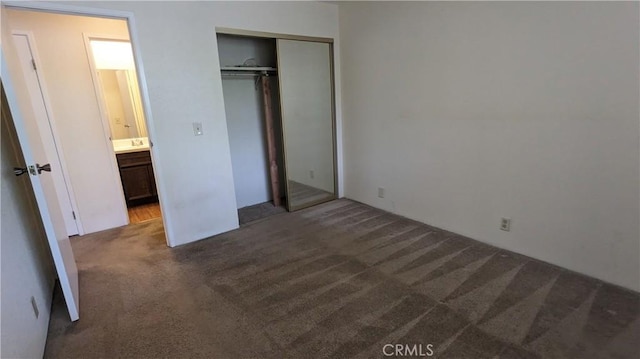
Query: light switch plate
x=197, y=128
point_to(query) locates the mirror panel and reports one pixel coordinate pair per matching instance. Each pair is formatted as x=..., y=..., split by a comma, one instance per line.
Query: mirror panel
x=122, y=101
x=113, y=60
x=306, y=95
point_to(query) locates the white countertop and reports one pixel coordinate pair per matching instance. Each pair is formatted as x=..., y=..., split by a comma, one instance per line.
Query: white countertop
x=129, y=145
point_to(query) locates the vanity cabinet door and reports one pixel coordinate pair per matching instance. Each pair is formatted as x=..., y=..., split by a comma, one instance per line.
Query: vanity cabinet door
x=136, y=173
x=136, y=182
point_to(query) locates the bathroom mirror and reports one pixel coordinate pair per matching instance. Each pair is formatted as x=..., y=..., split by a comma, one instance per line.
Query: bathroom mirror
x=119, y=91
x=123, y=105
x=306, y=95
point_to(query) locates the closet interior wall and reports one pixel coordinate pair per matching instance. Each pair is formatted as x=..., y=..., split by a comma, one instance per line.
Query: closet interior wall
x=244, y=107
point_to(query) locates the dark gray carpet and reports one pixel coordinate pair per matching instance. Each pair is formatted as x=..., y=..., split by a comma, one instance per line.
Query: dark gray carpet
x=339, y=280
x=258, y=211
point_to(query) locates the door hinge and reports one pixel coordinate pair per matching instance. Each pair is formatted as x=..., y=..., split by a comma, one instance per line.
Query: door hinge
x=33, y=63
x=73, y=214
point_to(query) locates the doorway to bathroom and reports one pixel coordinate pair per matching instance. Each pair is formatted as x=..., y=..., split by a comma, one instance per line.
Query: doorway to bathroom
x=117, y=90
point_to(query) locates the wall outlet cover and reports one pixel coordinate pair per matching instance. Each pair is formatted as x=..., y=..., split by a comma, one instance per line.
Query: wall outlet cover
x=505, y=224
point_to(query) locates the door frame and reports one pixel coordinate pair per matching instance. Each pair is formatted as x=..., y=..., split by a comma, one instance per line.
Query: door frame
x=142, y=82
x=33, y=47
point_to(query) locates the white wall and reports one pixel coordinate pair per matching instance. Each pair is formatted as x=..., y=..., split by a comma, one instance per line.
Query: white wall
x=64, y=73
x=468, y=112
x=26, y=262
x=178, y=47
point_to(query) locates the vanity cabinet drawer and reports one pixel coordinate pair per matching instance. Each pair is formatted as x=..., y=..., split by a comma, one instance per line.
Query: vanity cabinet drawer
x=133, y=159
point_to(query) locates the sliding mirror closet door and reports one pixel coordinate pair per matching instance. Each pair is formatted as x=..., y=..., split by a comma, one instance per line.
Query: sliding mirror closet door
x=306, y=96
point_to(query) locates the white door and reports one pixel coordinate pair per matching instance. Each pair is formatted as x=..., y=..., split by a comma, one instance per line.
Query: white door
x=35, y=156
x=24, y=49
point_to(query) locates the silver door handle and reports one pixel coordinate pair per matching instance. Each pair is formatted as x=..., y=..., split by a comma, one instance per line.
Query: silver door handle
x=19, y=171
x=45, y=167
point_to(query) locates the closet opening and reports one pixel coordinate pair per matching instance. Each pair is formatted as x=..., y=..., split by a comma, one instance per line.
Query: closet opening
x=252, y=105
x=280, y=109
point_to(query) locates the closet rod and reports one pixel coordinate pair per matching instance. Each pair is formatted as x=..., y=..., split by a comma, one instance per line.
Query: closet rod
x=251, y=74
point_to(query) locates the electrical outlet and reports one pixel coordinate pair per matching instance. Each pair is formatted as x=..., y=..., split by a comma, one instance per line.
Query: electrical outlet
x=197, y=128
x=505, y=224
x=311, y=174
x=36, y=311
x=380, y=192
